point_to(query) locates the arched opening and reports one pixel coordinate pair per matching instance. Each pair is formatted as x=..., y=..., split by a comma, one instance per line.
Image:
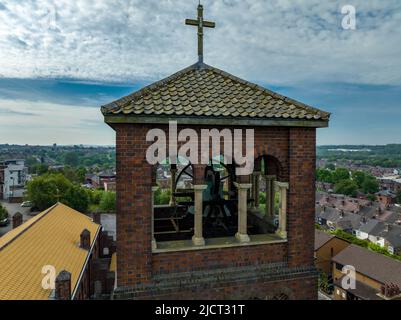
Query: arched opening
x=228, y=205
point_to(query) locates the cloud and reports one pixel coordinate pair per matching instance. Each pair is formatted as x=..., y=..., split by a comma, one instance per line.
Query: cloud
x=277, y=41
x=42, y=122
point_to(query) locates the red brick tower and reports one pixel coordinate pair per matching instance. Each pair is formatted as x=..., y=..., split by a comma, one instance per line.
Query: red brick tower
x=185, y=249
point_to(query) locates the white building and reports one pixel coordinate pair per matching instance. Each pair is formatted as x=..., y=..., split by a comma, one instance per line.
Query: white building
x=13, y=175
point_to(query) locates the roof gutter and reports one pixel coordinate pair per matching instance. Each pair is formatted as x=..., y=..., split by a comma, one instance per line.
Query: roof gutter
x=223, y=121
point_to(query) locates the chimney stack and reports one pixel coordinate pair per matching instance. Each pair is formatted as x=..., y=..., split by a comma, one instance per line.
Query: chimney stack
x=63, y=286
x=17, y=219
x=85, y=239
x=96, y=217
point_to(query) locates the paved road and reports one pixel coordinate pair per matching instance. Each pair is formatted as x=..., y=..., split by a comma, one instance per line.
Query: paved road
x=108, y=222
x=12, y=208
x=322, y=296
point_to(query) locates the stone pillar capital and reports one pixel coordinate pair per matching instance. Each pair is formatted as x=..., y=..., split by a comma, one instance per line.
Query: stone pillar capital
x=199, y=187
x=282, y=185
x=242, y=186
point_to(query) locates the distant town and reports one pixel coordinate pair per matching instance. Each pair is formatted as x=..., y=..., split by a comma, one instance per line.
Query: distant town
x=358, y=201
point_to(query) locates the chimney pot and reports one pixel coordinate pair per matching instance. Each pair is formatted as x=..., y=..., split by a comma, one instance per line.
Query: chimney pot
x=17, y=219
x=63, y=286
x=85, y=239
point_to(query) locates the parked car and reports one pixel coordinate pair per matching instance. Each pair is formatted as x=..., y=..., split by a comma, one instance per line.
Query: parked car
x=26, y=204
x=4, y=222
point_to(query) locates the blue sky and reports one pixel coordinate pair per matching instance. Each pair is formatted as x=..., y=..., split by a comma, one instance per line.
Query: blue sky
x=60, y=61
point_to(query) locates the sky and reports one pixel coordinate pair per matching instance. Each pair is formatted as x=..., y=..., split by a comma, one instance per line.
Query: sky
x=61, y=60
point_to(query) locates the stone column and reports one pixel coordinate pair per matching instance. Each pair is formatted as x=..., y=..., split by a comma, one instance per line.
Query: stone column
x=282, y=226
x=269, y=196
x=173, y=172
x=242, y=234
x=154, y=244
x=256, y=192
x=197, y=238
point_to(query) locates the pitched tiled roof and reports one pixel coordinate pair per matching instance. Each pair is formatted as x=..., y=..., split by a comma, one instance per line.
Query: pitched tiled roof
x=321, y=238
x=50, y=238
x=204, y=91
x=374, y=265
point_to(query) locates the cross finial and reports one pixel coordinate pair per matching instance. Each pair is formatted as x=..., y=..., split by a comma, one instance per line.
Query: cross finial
x=200, y=23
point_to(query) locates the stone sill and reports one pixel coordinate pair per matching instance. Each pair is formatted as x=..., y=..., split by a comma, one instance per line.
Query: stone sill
x=217, y=243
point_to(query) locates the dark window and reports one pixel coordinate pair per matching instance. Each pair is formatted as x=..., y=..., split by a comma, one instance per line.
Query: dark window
x=339, y=266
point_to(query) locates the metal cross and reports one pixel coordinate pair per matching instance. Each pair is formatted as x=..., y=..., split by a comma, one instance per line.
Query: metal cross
x=200, y=23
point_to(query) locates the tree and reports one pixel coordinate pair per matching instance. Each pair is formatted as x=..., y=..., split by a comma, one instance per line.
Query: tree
x=71, y=159
x=359, y=178
x=347, y=187
x=95, y=196
x=340, y=174
x=46, y=190
x=398, y=198
x=331, y=166
x=370, y=185
x=76, y=198
x=39, y=168
x=324, y=175
x=3, y=212
x=162, y=196
x=71, y=174
x=108, y=202
x=81, y=172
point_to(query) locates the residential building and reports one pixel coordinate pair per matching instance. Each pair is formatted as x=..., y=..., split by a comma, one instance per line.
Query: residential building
x=13, y=176
x=377, y=277
x=386, y=197
x=326, y=247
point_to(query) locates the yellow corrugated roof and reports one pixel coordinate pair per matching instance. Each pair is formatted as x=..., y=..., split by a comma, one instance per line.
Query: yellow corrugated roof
x=113, y=262
x=50, y=238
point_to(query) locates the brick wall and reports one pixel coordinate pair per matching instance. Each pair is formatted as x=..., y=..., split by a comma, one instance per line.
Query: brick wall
x=294, y=148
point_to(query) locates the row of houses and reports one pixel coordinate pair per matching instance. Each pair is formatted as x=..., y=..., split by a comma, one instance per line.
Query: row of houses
x=104, y=180
x=367, y=220
x=356, y=273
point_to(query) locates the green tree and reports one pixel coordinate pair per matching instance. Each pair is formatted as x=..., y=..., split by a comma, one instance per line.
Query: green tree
x=46, y=190
x=323, y=282
x=95, y=196
x=359, y=178
x=324, y=175
x=39, y=169
x=71, y=174
x=71, y=159
x=340, y=174
x=108, y=202
x=370, y=185
x=3, y=212
x=81, y=172
x=76, y=198
x=398, y=198
x=347, y=187
x=331, y=167
x=162, y=196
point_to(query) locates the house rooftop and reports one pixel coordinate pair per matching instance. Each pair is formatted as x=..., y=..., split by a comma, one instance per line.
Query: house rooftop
x=373, y=265
x=321, y=238
x=50, y=238
x=201, y=92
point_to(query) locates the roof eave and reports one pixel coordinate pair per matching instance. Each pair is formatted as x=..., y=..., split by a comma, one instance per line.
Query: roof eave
x=223, y=121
